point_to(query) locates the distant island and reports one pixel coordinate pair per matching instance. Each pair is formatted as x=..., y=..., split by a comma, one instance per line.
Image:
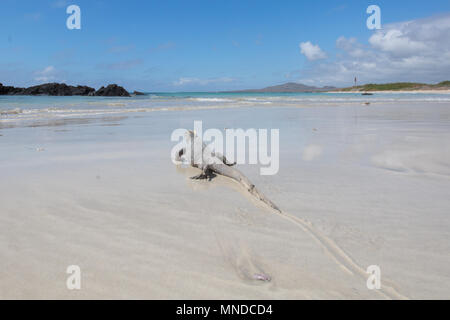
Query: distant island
x=290, y=87
x=62, y=89
x=398, y=86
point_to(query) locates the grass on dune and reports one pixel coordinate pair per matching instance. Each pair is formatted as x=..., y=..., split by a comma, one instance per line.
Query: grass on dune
x=397, y=86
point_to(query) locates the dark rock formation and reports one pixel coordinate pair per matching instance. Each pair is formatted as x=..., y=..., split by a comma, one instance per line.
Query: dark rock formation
x=9, y=90
x=82, y=90
x=137, y=93
x=62, y=89
x=113, y=90
x=57, y=89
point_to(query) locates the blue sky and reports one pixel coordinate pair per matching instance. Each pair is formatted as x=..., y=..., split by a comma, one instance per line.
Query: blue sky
x=220, y=45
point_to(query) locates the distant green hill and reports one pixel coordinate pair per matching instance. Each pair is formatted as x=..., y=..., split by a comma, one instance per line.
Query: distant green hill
x=289, y=87
x=399, y=86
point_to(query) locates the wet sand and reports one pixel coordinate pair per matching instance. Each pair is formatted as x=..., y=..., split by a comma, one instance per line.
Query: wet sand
x=372, y=182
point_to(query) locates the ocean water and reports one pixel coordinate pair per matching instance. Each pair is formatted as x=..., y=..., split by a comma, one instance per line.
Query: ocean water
x=16, y=111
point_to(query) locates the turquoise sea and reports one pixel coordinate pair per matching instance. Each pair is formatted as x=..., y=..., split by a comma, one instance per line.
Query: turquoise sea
x=23, y=110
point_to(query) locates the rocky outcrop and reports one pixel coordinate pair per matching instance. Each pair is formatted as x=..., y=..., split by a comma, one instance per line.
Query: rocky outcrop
x=57, y=89
x=137, y=93
x=82, y=90
x=113, y=90
x=62, y=89
x=9, y=90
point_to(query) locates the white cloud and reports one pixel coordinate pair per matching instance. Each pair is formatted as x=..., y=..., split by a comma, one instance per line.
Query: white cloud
x=417, y=50
x=197, y=81
x=46, y=75
x=311, y=51
x=396, y=42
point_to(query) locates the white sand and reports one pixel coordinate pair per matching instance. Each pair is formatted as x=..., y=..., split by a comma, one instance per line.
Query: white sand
x=108, y=198
x=430, y=91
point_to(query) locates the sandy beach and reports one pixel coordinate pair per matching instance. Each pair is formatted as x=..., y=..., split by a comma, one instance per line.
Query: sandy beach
x=363, y=185
x=435, y=91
